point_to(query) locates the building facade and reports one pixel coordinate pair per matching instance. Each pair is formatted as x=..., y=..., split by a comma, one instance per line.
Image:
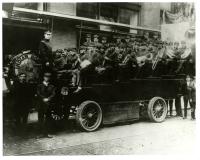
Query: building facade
x=69, y=22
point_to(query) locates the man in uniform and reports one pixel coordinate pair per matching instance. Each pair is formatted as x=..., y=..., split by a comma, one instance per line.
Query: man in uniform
x=96, y=43
x=144, y=58
x=88, y=42
x=127, y=41
x=174, y=60
x=59, y=60
x=73, y=66
x=45, y=51
x=133, y=39
x=110, y=64
x=104, y=42
x=186, y=95
x=104, y=45
x=128, y=45
x=46, y=93
x=190, y=96
x=118, y=42
x=184, y=57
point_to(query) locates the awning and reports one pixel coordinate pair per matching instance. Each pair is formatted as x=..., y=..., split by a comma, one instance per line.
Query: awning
x=23, y=23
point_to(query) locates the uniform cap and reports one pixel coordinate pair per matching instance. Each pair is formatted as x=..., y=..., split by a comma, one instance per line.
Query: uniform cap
x=82, y=47
x=22, y=74
x=183, y=42
x=127, y=37
x=96, y=36
x=133, y=36
x=176, y=43
x=104, y=38
x=88, y=35
x=59, y=51
x=47, y=74
x=116, y=37
x=47, y=32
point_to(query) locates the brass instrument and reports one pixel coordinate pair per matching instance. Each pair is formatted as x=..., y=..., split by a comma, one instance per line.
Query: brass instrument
x=142, y=59
x=155, y=62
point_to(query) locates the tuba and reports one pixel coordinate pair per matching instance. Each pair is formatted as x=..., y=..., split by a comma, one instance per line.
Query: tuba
x=141, y=60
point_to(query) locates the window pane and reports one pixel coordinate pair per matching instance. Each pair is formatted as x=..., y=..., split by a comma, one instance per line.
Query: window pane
x=108, y=12
x=27, y=5
x=128, y=16
x=88, y=10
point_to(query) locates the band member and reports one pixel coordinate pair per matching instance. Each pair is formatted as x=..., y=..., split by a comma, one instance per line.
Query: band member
x=86, y=66
x=158, y=64
x=22, y=98
x=104, y=42
x=110, y=64
x=74, y=66
x=104, y=45
x=143, y=57
x=133, y=40
x=118, y=42
x=45, y=50
x=96, y=43
x=128, y=43
x=183, y=57
x=169, y=55
x=88, y=42
x=46, y=93
x=127, y=67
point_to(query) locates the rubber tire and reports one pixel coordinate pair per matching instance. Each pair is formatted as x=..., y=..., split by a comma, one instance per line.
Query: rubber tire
x=79, y=113
x=149, y=110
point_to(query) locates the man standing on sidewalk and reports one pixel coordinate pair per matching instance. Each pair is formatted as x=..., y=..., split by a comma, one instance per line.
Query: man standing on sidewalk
x=192, y=97
x=22, y=100
x=46, y=93
x=186, y=95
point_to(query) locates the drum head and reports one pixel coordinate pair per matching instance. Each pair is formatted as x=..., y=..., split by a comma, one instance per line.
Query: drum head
x=27, y=63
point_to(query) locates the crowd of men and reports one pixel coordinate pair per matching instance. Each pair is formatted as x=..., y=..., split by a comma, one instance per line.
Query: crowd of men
x=132, y=57
x=117, y=60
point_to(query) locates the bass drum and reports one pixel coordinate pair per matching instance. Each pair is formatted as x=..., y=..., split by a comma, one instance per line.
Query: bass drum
x=28, y=63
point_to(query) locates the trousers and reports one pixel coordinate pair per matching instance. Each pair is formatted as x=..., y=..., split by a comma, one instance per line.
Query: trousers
x=44, y=117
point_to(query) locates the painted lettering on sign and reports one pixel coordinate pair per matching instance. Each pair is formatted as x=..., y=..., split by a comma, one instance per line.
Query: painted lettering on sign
x=26, y=63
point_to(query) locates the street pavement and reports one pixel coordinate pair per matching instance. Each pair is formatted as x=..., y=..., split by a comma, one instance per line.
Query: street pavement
x=173, y=136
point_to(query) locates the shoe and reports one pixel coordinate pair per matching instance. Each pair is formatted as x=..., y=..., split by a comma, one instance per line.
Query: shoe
x=179, y=115
x=44, y=136
x=48, y=136
x=40, y=136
